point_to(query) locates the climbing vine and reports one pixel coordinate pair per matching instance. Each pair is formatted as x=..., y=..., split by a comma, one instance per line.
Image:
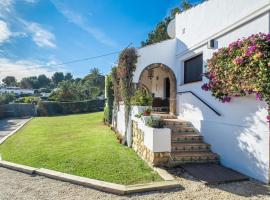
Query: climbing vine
x=241, y=69
x=126, y=67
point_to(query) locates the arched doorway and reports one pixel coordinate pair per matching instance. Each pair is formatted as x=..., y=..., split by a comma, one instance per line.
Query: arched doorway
x=160, y=81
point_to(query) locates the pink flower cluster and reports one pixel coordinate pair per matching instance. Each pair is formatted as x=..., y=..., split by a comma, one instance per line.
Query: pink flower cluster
x=238, y=60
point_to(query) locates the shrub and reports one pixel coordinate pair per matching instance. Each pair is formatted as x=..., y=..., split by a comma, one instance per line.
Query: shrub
x=155, y=123
x=30, y=99
x=50, y=108
x=240, y=69
x=141, y=98
x=108, y=110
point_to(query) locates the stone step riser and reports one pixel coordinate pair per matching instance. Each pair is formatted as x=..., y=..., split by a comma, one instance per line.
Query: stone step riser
x=178, y=127
x=178, y=133
x=173, y=123
x=203, y=148
x=187, y=139
x=183, y=131
x=194, y=158
x=177, y=163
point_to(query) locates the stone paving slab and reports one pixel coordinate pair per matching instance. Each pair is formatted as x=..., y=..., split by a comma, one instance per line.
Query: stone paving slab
x=214, y=173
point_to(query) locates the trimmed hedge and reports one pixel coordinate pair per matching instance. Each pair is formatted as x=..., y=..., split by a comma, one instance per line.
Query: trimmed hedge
x=50, y=108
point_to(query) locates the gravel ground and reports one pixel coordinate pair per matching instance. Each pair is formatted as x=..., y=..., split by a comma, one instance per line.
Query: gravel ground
x=15, y=185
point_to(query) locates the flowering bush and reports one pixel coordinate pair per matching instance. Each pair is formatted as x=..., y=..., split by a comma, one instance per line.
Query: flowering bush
x=240, y=69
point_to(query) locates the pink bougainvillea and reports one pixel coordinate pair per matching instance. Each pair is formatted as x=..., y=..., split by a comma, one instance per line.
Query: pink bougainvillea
x=242, y=68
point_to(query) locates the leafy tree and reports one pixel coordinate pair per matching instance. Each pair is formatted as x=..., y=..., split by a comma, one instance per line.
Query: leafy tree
x=58, y=77
x=160, y=32
x=43, y=81
x=96, y=79
x=67, y=91
x=68, y=77
x=30, y=83
x=9, y=81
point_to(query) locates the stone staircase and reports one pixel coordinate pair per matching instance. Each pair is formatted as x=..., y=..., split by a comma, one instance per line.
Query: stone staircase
x=187, y=145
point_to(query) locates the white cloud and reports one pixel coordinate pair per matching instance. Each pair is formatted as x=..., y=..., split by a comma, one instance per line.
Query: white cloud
x=41, y=36
x=81, y=22
x=5, y=33
x=25, y=68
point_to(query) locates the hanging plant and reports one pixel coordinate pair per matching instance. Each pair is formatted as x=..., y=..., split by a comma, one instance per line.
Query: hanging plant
x=241, y=69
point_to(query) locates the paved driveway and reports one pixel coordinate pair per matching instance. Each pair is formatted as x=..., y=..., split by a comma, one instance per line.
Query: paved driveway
x=9, y=125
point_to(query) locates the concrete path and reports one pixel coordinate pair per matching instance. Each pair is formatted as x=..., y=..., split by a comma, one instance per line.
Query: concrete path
x=16, y=186
x=9, y=125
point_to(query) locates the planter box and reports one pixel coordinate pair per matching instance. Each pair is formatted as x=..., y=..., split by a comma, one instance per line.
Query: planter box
x=157, y=139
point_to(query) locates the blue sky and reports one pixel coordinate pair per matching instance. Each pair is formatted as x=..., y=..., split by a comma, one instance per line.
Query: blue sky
x=37, y=34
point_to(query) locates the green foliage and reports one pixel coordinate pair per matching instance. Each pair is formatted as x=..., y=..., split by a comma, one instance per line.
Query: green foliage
x=96, y=79
x=110, y=98
x=155, y=122
x=43, y=81
x=58, y=77
x=68, y=77
x=29, y=99
x=66, y=91
x=160, y=32
x=9, y=81
x=77, y=144
x=7, y=98
x=50, y=108
x=142, y=98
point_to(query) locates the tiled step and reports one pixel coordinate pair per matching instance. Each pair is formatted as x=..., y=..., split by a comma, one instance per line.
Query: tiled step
x=175, y=121
x=193, y=157
x=190, y=146
x=191, y=137
x=164, y=116
x=183, y=130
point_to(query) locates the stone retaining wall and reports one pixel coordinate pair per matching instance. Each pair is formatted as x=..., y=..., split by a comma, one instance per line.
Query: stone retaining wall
x=153, y=158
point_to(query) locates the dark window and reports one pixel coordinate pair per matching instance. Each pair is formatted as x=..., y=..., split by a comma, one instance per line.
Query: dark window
x=193, y=69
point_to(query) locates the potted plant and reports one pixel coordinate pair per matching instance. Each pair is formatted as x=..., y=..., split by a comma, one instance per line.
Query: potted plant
x=147, y=112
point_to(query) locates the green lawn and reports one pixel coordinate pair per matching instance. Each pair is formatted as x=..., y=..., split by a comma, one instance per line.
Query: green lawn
x=79, y=145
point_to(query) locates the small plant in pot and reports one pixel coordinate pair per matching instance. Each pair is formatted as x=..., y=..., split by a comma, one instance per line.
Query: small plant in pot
x=147, y=112
x=155, y=123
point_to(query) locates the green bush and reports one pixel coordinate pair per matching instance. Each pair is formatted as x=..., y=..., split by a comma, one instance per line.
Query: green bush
x=110, y=98
x=30, y=99
x=50, y=108
x=141, y=98
x=155, y=123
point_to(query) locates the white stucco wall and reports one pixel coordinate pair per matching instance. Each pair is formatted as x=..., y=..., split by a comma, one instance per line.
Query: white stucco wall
x=163, y=52
x=241, y=135
x=205, y=20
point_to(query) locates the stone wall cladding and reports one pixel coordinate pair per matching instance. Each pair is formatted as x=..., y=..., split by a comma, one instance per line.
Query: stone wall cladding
x=153, y=158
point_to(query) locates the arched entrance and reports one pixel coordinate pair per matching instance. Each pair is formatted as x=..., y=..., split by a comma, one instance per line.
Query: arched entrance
x=160, y=81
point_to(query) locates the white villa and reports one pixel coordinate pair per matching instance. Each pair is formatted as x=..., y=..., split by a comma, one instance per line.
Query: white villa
x=238, y=132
